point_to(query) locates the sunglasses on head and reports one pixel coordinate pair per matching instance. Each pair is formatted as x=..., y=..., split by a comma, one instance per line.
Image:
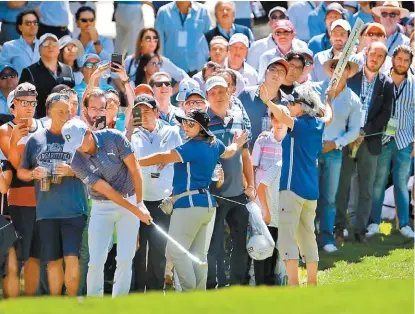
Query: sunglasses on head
x=27, y=103
x=50, y=43
x=189, y=123
x=151, y=38
x=392, y=15
x=91, y=65
x=284, y=33
x=30, y=23
x=160, y=84
x=59, y=97
x=87, y=20
x=8, y=76
x=278, y=17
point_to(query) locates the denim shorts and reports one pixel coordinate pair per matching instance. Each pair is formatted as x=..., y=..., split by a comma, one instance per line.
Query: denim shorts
x=61, y=237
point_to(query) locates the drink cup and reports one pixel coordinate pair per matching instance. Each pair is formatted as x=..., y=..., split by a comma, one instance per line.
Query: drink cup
x=56, y=178
x=46, y=180
x=215, y=176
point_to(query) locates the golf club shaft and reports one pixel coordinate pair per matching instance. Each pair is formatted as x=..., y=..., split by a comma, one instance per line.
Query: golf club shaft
x=177, y=244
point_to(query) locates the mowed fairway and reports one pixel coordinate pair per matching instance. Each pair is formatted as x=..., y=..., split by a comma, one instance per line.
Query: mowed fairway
x=381, y=284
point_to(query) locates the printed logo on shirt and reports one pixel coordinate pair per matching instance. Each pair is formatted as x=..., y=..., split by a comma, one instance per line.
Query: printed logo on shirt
x=53, y=153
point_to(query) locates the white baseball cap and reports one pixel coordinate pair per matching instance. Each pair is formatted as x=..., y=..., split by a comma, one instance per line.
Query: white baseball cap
x=46, y=36
x=239, y=38
x=73, y=132
x=185, y=86
x=215, y=81
x=10, y=98
x=342, y=23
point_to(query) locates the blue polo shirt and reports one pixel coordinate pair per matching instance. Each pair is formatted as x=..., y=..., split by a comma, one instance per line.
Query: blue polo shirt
x=199, y=158
x=300, y=149
x=106, y=164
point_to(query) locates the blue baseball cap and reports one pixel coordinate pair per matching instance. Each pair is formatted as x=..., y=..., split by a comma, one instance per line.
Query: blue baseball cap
x=86, y=57
x=7, y=66
x=186, y=85
x=196, y=91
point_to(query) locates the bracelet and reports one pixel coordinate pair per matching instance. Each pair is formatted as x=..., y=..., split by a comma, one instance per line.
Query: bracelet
x=126, y=81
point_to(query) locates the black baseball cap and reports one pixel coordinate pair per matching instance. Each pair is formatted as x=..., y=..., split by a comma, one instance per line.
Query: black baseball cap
x=199, y=116
x=147, y=100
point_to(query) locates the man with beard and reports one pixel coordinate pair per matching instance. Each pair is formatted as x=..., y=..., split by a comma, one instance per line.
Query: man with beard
x=399, y=145
x=376, y=95
x=94, y=106
x=339, y=33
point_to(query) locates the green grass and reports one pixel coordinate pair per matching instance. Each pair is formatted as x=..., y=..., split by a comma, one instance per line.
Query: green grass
x=350, y=281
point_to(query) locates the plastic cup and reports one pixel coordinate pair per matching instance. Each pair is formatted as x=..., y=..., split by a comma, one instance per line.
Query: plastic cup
x=215, y=176
x=46, y=180
x=56, y=178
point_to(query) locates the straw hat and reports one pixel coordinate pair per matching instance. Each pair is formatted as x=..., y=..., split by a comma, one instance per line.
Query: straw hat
x=390, y=5
x=354, y=67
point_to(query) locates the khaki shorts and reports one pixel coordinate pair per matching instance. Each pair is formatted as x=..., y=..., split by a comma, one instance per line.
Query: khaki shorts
x=296, y=227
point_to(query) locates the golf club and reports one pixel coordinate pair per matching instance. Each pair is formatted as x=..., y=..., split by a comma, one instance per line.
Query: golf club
x=179, y=246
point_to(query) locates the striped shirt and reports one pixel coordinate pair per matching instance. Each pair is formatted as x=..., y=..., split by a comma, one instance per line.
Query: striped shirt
x=107, y=164
x=266, y=153
x=403, y=111
x=366, y=94
x=271, y=180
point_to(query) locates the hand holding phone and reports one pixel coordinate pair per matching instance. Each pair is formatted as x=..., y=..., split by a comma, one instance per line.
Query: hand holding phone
x=137, y=118
x=100, y=122
x=117, y=59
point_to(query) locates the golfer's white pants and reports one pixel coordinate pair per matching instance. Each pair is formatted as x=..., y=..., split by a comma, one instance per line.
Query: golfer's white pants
x=106, y=216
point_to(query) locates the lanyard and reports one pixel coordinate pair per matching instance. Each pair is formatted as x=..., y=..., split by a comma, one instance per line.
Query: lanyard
x=397, y=92
x=182, y=17
x=311, y=5
x=393, y=41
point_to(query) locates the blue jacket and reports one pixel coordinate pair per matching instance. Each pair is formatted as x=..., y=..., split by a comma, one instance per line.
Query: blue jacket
x=380, y=108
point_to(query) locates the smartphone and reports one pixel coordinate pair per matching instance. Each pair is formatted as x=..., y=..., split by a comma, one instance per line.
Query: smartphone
x=100, y=122
x=25, y=121
x=116, y=58
x=137, y=119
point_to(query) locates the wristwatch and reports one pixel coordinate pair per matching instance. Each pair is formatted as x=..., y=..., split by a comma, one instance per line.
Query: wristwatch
x=98, y=42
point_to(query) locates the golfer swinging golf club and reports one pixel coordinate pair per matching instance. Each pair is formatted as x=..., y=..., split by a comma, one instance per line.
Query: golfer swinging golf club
x=104, y=160
x=194, y=163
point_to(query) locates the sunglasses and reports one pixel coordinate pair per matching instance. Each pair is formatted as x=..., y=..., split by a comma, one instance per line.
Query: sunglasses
x=308, y=63
x=30, y=23
x=392, y=15
x=91, y=65
x=411, y=24
x=71, y=49
x=191, y=103
x=285, y=33
x=27, y=103
x=8, y=76
x=156, y=64
x=189, y=123
x=149, y=38
x=160, y=84
x=334, y=65
x=87, y=20
x=379, y=35
x=278, y=17
x=48, y=43
x=59, y=97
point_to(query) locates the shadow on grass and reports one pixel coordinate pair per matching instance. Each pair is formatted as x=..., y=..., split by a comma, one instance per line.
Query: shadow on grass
x=352, y=252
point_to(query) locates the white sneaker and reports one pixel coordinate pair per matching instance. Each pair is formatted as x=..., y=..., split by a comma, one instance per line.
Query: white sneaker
x=372, y=229
x=330, y=248
x=407, y=232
